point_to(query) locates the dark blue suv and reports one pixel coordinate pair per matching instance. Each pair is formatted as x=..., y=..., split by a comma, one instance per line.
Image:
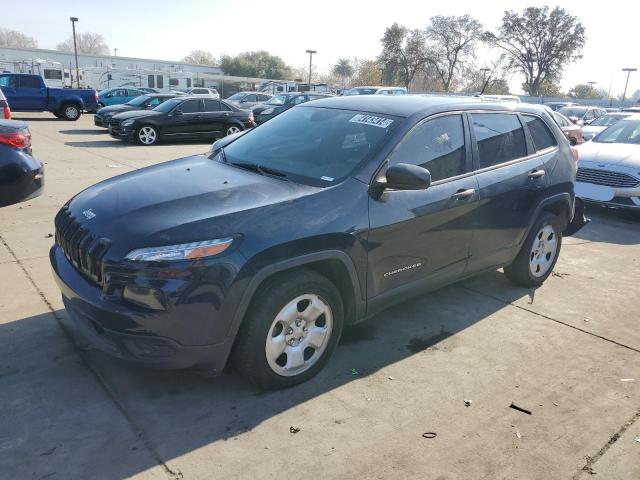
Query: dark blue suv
x=265, y=248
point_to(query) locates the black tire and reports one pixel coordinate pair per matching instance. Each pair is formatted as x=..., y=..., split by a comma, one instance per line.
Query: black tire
x=231, y=129
x=70, y=112
x=147, y=128
x=249, y=353
x=519, y=271
x=573, y=142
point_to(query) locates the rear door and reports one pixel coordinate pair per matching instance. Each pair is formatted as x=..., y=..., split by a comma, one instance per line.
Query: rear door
x=419, y=238
x=213, y=119
x=511, y=178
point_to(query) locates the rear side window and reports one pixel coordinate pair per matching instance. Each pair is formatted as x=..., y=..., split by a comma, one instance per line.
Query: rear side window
x=540, y=133
x=249, y=98
x=29, y=82
x=437, y=145
x=500, y=138
x=190, y=106
x=211, y=105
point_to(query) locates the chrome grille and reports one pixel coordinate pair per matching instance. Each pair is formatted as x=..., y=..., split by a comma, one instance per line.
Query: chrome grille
x=80, y=246
x=606, y=178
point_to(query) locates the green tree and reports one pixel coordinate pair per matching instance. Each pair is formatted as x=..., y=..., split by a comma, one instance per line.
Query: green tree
x=258, y=64
x=200, y=57
x=367, y=72
x=343, y=69
x=15, y=39
x=584, y=90
x=539, y=43
x=451, y=43
x=90, y=43
x=403, y=54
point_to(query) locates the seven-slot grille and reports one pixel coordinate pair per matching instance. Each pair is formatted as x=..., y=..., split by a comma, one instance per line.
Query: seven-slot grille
x=81, y=248
x=606, y=178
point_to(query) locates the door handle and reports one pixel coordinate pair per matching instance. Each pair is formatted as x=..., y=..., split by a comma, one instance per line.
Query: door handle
x=226, y=114
x=537, y=174
x=463, y=194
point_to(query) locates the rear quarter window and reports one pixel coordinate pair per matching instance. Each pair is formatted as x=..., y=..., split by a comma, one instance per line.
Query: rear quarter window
x=500, y=138
x=540, y=133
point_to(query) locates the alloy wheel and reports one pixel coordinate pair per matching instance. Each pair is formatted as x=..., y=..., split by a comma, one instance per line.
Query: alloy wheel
x=232, y=130
x=147, y=135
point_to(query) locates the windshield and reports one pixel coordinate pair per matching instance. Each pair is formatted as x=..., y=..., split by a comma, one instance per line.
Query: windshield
x=625, y=131
x=573, y=111
x=315, y=146
x=138, y=101
x=278, y=100
x=168, y=105
x=606, y=120
x=361, y=91
x=236, y=96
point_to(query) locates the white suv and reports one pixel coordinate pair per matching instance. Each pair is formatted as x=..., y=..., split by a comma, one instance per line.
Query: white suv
x=203, y=92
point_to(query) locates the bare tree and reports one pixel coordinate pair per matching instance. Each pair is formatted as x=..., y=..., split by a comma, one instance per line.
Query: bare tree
x=90, y=43
x=200, y=57
x=15, y=39
x=451, y=42
x=403, y=54
x=539, y=44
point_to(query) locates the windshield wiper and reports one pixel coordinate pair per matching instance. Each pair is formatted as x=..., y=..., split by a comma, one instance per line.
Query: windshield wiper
x=262, y=170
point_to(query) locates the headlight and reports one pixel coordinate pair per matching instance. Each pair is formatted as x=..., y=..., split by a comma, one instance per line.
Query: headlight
x=127, y=123
x=268, y=111
x=183, y=251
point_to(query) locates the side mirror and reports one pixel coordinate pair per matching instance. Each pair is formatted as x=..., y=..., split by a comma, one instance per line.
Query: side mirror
x=404, y=176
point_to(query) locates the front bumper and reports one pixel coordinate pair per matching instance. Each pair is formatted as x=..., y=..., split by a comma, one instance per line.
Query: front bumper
x=100, y=122
x=147, y=337
x=116, y=131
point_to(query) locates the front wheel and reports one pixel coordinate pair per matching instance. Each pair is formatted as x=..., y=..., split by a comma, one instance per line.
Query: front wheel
x=147, y=135
x=233, y=129
x=291, y=330
x=70, y=112
x=538, y=254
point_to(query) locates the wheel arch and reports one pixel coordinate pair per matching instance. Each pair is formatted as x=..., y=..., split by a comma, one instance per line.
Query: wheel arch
x=560, y=204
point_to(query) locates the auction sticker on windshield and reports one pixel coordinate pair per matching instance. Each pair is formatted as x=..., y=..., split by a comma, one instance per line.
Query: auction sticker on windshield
x=372, y=120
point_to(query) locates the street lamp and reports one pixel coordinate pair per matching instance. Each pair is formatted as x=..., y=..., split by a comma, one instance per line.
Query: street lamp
x=115, y=52
x=485, y=80
x=628, y=70
x=75, y=48
x=591, y=84
x=310, y=52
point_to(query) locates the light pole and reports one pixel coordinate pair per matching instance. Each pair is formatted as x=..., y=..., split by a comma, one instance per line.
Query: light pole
x=310, y=52
x=75, y=48
x=484, y=71
x=628, y=70
x=115, y=52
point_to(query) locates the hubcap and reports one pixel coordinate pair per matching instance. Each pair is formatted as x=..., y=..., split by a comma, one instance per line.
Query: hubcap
x=147, y=135
x=232, y=130
x=71, y=112
x=299, y=335
x=543, y=251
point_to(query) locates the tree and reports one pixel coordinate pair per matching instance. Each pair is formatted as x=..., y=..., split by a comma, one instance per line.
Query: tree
x=343, y=69
x=403, y=54
x=584, y=90
x=539, y=43
x=90, y=43
x=451, y=42
x=199, y=57
x=258, y=64
x=15, y=39
x=548, y=88
x=367, y=72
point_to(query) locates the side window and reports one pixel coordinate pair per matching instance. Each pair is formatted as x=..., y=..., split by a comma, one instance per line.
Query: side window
x=542, y=137
x=7, y=81
x=560, y=120
x=29, y=82
x=154, y=102
x=211, y=105
x=134, y=93
x=437, y=145
x=224, y=107
x=299, y=99
x=190, y=106
x=500, y=138
x=263, y=98
x=120, y=93
x=249, y=98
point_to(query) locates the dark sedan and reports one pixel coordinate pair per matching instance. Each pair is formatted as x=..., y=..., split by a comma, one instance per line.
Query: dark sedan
x=181, y=118
x=282, y=102
x=21, y=176
x=143, y=102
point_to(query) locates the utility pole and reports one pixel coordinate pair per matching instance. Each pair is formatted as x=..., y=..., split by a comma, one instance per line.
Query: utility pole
x=310, y=52
x=628, y=70
x=485, y=82
x=75, y=49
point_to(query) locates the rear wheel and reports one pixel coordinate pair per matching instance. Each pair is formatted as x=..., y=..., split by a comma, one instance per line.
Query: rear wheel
x=290, y=331
x=70, y=111
x=538, y=254
x=231, y=129
x=147, y=135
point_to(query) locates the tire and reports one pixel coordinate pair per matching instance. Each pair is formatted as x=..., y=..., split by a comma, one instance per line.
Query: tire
x=100, y=105
x=70, y=112
x=573, y=142
x=290, y=330
x=536, y=260
x=147, y=135
x=233, y=128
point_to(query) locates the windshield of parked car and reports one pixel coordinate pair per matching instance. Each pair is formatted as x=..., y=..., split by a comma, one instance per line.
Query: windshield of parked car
x=236, y=96
x=573, y=111
x=314, y=146
x=138, y=101
x=607, y=120
x=278, y=100
x=625, y=131
x=361, y=91
x=169, y=105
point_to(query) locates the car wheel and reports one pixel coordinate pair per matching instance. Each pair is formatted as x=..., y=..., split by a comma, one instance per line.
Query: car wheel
x=290, y=331
x=147, y=135
x=233, y=129
x=71, y=112
x=573, y=142
x=539, y=254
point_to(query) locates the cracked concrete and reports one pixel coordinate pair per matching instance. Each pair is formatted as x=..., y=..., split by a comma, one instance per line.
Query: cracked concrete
x=560, y=351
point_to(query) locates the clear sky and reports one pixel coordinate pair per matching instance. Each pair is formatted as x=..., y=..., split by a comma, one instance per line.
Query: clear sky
x=170, y=29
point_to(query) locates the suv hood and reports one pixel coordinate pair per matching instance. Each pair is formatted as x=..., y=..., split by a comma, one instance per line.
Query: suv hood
x=190, y=199
x=611, y=153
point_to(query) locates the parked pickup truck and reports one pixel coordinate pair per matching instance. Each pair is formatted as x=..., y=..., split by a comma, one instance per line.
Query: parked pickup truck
x=28, y=93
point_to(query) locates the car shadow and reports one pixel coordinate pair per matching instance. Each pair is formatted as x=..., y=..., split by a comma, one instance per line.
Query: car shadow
x=37, y=119
x=94, y=131
x=181, y=411
x=98, y=144
x=610, y=226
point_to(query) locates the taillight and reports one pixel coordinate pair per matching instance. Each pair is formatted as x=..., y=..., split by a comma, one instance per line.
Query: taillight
x=20, y=139
x=251, y=117
x=574, y=152
x=96, y=94
x=6, y=112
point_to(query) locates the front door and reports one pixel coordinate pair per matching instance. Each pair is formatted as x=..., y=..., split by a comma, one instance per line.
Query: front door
x=183, y=120
x=421, y=238
x=31, y=92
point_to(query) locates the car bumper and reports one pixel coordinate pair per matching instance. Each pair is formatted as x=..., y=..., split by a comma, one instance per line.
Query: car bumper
x=99, y=121
x=128, y=333
x=24, y=177
x=121, y=133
